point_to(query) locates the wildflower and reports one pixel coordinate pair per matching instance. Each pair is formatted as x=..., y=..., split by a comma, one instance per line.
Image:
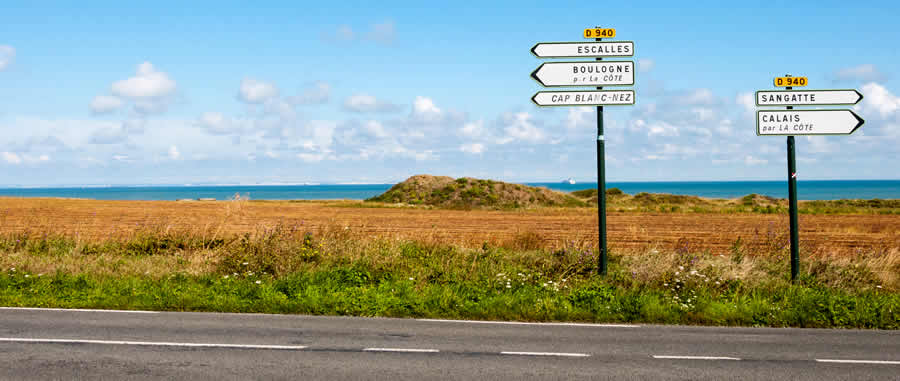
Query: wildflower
x=877, y=286
x=508, y=286
x=13, y=269
x=411, y=278
x=676, y=273
x=717, y=283
x=245, y=263
x=681, y=267
x=26, y=275
x=259, y=282
x=226, y=277
x=665, y=285
x=693, y=272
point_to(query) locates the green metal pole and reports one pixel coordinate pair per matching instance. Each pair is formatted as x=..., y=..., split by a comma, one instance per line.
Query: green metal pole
x=601, y=187
x=792, y=195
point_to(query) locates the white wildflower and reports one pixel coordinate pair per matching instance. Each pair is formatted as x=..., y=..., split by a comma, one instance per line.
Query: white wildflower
x=259, y=282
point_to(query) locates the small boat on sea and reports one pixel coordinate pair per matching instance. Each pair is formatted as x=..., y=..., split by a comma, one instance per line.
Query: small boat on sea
x=569, y=181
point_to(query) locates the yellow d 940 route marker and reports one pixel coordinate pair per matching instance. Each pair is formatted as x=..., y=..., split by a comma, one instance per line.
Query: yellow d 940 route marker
x=790, y=81
x=599, y=33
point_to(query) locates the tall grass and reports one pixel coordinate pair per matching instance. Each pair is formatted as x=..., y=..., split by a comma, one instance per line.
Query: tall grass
x=336, y=270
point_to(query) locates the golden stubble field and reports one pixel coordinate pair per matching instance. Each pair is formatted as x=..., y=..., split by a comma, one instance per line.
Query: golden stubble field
x=92, y=220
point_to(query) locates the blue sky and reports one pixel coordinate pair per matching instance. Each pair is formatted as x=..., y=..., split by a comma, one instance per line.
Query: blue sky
x=290, y=92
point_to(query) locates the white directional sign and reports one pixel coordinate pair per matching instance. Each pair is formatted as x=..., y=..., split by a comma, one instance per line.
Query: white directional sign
x=807, y=97
x=585, y=73
x=584, y=98
x=807, y=122
x=583, y=49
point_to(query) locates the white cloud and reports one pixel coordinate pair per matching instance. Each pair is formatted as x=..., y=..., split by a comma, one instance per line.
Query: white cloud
x=425, y=106
x=134, y=126
x=104, y=103
x=255, y=91
x=878, y=99
x=376, y=129
x=7, y=56
x=11, y=158
x=383, y=32
x=750, y=160
x=342, y=33
x=147, y=83
x=697, y=97
x=173, y=153
x=318, y=93
x=746, y=101
x=368, y=103
x=217, y=124
x=473, y=129
x=579, y=117
x=109, y=135
x=519, y=127
x=473, y=148
x=865, y=72
x=312, y=157
x=645, y=65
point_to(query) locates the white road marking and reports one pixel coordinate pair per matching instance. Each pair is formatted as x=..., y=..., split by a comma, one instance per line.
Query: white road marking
x=557, y=354
x=150, y=343
x=696, y=358
x=860, y=361
x=530, y=323
x=405, y=350
x=76, y=310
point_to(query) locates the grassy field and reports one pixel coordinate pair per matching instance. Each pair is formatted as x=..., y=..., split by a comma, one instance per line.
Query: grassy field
x=629, y=230
x=339, y=269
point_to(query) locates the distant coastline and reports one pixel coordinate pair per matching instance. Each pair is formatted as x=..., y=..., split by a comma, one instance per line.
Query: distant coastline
x=808, y=190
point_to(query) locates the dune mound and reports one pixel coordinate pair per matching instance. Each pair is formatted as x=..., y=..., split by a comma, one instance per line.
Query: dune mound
x=465, y=192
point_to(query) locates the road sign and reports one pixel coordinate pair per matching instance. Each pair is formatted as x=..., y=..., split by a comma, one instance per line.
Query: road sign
x=583, y=49
x=584, y=98
x=791, y=81
x=600, y=33
x=807, y=97
x=585, y=73
x=807, y=122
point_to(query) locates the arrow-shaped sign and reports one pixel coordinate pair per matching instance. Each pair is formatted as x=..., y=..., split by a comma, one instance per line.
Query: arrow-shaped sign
x=807, y=97
x=807, y=122
x=584, y=98
x=583, y=49
x=585, y=73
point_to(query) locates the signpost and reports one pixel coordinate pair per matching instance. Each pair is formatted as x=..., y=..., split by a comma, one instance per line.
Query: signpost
x=585, y=73
x=807, y=122
x=597, y=73
x=803, y=122
x=807, y=97
x=584, y=98
x=583, y=49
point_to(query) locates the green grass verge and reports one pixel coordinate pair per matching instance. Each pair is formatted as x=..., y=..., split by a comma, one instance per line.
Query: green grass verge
x=333, y=271
x=358, y=291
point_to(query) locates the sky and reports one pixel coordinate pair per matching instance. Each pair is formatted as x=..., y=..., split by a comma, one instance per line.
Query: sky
x=233, y=92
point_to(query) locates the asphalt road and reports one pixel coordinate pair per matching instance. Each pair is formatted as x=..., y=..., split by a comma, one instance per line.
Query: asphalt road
x=76, y=344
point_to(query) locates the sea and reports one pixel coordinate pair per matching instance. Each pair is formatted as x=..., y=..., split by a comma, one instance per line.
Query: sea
x=806, y=190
